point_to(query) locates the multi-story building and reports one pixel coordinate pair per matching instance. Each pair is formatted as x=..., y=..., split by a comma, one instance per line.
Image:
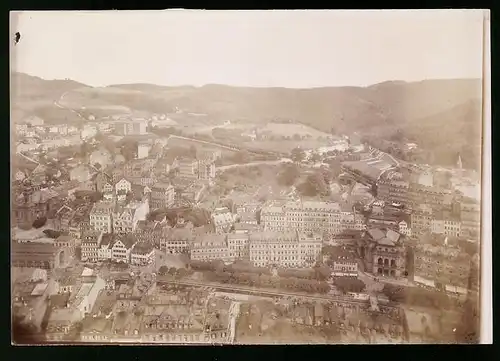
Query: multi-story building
x=323, y=217
x=404, y=228
x=421, y=220
x=206, y=169
x=36, y=255
x=248, y=218
x=101, y=217
x=154, y=233
x=142, y=254
x=122, y=219
x=284, y=249
x=104, y=250
x=383, y=252
x=437, y=225
x=91, y=241
x=162, y=195
x=412, y=194
x=434, y=196
x=222, y=219
x=67, y=242
x=244, y=207
x=187, y=168
x=344, y=263
x=452, y=227
x=238, y=243
x=121, y=248
x=210, y=247
x=143, y=150
x=101, y=180
x=351, y=221
x=123, y=185
x=131, y=127
x=63, y=218
x=470, y=216
x=177, y=240
x=125, y=218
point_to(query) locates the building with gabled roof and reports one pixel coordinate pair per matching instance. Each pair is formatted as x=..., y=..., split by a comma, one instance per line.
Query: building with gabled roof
x=142, y=254
x=121, y=248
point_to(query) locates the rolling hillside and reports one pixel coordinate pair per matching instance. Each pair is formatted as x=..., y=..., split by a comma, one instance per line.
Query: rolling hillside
x=431, y=112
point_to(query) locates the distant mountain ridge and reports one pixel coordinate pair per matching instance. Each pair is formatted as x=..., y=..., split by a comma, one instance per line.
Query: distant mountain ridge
x=453, y=106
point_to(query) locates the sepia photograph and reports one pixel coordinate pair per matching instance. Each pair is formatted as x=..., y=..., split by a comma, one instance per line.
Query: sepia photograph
x=194, y=177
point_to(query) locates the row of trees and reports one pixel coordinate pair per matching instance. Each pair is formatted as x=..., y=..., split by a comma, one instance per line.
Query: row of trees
x=244, y=273
x=349, y=284
x=174, y=272
x=267, y=281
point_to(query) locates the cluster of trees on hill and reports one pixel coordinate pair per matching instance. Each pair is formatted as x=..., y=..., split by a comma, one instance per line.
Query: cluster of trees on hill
x=314, y=185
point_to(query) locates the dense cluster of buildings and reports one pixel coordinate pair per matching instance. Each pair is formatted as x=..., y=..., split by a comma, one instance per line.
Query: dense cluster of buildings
x=428, y=195
x=79, y=304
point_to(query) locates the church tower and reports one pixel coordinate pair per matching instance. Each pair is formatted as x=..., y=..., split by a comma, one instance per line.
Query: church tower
x=459, y=162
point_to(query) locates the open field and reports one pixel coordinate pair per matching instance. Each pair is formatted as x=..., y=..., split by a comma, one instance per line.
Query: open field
x=290, y=130
x=186, y=143
x=283, y=145
x=279, y=129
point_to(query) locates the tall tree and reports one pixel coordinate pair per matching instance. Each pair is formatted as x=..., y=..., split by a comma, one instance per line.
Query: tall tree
x=297, y=155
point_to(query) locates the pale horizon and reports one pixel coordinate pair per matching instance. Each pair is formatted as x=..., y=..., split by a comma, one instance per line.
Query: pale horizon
x=258, y=49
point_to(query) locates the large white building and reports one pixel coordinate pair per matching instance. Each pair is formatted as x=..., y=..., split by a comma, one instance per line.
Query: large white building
x=101, y=218
x=322, y=217
x=143, y=150
x=284, y=249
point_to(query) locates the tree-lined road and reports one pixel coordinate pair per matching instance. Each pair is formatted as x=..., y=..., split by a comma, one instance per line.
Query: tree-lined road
x=272, y=293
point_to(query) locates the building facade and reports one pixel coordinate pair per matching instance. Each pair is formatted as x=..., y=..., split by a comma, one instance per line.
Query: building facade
x=162, y=195
x=284, y=249
x=323, y=217
x=101, y=217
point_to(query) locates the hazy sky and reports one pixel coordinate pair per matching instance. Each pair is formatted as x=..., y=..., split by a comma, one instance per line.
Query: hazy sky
x=273, y=48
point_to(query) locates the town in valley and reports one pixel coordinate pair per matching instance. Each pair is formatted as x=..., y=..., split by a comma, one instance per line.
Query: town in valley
x=163, y=215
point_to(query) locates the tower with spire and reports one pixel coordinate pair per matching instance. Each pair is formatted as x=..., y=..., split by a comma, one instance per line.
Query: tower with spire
x=459, y=162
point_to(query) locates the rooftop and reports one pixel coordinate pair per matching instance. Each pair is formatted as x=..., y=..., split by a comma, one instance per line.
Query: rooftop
x=386, y=237
x=266, y=236
x=142, y=248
